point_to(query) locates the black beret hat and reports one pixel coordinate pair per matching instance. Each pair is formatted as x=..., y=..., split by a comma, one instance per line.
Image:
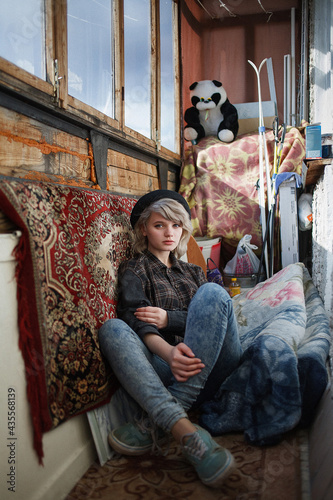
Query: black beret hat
x=153, y=196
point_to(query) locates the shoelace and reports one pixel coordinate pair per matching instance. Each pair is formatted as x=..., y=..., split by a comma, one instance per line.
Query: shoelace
x=195, y=446
x=146, y=426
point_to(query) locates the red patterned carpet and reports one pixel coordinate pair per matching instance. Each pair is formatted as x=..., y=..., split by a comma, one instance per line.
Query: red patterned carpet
x=269, y=473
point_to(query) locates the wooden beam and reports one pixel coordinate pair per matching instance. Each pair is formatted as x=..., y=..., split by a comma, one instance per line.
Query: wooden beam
x=100, y=144
x=316, y=169
x=60, y=16
x=48, y=118
x=155, y=55
x=163, y=169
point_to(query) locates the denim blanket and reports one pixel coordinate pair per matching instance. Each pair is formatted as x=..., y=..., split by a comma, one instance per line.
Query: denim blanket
x=285, y=336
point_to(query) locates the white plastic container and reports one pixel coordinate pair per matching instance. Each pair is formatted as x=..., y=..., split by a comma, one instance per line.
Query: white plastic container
x=210, y=248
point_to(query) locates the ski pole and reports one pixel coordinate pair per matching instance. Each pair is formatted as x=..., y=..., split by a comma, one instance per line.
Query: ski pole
x=283, y=135
x=276, y=142
x=274, y=195
x=275, y=169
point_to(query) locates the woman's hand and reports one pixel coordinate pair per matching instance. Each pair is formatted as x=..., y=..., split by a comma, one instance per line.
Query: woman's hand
x=180, y=358
x=183, y=362
x=153, y=315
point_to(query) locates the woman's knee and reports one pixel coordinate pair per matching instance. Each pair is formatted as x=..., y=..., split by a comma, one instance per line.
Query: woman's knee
x=111, y=329
x=213, y=292
x=211, y=301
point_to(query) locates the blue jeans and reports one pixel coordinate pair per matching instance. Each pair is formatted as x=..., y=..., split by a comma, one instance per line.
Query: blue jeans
x=212, y=334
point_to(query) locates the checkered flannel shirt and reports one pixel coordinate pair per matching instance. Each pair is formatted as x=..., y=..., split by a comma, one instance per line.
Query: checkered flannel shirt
x=146, y=281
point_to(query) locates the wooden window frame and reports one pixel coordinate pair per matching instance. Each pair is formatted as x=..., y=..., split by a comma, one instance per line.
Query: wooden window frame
x=13, y=73
x=46, y=91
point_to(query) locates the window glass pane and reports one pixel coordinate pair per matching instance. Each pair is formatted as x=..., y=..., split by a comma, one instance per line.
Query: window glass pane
x=167, y=76
x=137, y=65
x=22, y=35
x=90, y=53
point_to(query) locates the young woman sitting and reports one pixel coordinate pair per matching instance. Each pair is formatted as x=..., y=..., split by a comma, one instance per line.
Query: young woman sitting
x=175, y=339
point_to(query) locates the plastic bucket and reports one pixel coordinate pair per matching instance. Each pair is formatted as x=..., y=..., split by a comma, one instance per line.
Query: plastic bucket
x=210, y=248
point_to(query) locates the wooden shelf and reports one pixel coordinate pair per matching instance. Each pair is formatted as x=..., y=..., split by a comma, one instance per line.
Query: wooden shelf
x=315, y=169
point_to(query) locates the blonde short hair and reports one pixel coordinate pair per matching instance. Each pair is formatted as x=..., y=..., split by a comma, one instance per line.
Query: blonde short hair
x=170, y=210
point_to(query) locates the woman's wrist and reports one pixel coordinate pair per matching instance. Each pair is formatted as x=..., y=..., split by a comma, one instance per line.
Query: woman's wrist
x=158, y=345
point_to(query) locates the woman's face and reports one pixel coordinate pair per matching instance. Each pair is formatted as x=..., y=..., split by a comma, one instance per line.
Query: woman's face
x=163, y=235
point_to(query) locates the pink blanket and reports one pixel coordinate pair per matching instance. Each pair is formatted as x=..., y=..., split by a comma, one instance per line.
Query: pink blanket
x=219, y=182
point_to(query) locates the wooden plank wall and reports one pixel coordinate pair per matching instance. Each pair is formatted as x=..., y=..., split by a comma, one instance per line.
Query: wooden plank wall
x=33, y=150
x=28, y=148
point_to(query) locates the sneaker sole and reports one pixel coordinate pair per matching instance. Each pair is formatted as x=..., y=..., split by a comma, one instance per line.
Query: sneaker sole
x=219, y=477
x=133, y=451
x=124, y=449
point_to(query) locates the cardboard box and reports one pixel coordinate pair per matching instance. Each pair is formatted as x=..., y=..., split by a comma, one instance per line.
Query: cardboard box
x=288, y=222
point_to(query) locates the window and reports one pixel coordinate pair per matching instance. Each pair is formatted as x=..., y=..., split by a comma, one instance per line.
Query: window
x=90, y=54
x=168, y=74
x=22, y=35
x=137, y=48
x=114, y=61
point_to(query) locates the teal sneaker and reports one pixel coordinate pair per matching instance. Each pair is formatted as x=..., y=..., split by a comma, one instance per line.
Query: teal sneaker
x=136, y=439
x=211, y=462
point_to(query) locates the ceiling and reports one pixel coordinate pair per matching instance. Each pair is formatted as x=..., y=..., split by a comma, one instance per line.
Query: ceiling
x=223, y=10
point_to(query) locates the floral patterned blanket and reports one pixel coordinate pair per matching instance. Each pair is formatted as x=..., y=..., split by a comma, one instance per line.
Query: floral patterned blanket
x=285, y=336
x=219, y=180
x=71, y=245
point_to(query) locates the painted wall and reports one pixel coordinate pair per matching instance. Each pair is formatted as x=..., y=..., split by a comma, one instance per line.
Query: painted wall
x=220, y=48
x=68, y=449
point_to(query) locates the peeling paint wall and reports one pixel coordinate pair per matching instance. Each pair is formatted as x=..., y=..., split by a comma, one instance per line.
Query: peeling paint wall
x=321, y=110
x=321, y=64
x=322, y=236
x=321, y=432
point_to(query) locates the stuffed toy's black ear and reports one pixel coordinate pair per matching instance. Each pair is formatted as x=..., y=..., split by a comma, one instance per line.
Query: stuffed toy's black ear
x=217, y=83
x=192, y=87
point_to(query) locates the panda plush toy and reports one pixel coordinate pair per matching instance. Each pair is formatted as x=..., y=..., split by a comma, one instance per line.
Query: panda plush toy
x=211, y=113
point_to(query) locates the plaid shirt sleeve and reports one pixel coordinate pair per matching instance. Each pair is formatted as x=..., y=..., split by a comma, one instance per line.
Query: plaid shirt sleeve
x=131, y=296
